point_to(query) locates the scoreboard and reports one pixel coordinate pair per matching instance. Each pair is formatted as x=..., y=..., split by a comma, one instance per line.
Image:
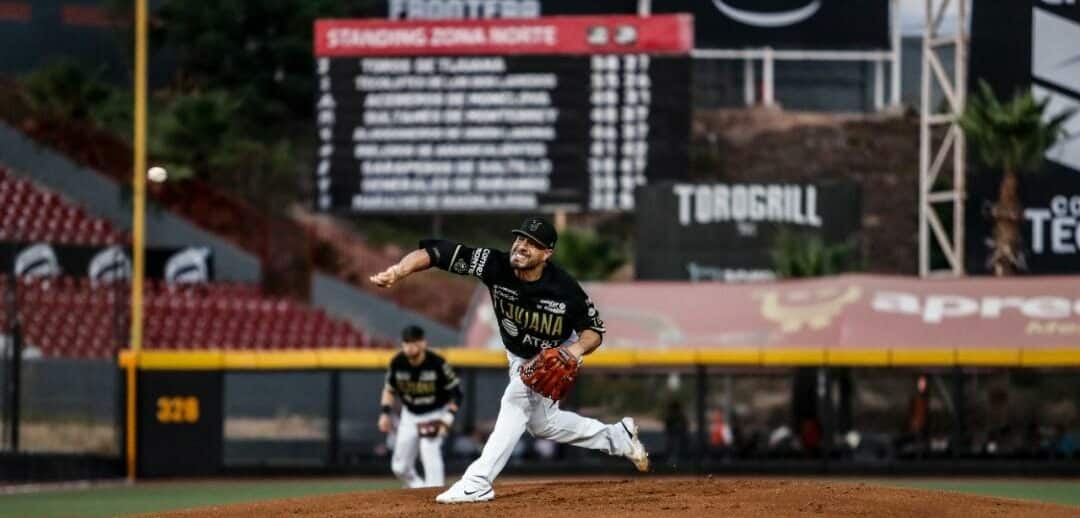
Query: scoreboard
x=558, y=113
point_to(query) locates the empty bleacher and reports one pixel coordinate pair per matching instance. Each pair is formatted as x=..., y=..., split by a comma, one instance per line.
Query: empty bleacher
x=73, y=317
x=237, y=316
x=29, y=213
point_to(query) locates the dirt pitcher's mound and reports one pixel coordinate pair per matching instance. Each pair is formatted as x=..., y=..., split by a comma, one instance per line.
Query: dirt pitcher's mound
x=696, y=498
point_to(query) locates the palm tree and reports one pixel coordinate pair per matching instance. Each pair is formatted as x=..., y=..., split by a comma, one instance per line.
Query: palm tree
x=588, y=256
x=1012, y=137
x=797, y=256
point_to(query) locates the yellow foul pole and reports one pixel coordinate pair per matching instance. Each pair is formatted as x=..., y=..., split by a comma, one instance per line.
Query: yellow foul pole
x=138, y=226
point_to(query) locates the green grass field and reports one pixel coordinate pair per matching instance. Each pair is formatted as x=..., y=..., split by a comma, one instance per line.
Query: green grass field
x=162, y=496
x=1054, y=491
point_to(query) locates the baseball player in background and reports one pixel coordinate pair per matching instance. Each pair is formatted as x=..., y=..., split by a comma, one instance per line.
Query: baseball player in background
x=545, y=320
x=430, y=394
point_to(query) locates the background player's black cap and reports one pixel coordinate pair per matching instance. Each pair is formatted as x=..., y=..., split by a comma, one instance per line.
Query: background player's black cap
x=412, y=333
x=539, y=230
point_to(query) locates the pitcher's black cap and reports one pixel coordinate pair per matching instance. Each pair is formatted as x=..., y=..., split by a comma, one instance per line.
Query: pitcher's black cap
x=540, y=230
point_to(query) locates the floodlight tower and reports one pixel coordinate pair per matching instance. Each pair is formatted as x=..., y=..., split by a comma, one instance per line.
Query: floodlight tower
x=935, y=191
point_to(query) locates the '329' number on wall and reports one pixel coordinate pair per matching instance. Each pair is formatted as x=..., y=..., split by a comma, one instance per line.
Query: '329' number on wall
x=178, y=409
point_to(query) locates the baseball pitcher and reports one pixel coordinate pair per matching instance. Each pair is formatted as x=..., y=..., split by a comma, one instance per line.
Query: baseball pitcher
x=430, y=393
x=548, y=324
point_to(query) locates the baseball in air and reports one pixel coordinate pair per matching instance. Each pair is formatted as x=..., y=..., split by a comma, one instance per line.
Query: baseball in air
x=157, y=174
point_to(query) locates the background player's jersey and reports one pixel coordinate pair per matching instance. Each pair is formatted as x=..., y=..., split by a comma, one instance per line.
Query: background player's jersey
x=531, y=315
x=425, y=387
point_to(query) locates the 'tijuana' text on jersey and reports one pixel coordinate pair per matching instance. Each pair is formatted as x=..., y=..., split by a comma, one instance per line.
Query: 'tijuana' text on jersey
x=531, y=315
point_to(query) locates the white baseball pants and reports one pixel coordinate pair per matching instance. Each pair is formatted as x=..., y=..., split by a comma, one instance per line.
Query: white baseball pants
x=408, y=443
x=522, y=409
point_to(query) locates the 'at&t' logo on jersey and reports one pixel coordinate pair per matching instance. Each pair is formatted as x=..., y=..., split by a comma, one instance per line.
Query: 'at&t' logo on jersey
x=510, y=327
x=540, y=342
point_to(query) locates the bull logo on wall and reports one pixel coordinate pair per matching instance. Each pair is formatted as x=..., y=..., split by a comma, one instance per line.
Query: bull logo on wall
x=37, y=261
x=109, y=265
x=814, y=309
x=188, y=265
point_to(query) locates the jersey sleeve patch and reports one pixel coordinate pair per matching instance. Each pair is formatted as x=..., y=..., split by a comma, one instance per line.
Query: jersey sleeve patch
x=592, y=317
x=478, y=262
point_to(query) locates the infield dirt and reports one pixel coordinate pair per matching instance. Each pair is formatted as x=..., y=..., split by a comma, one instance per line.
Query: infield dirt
x=684, y=497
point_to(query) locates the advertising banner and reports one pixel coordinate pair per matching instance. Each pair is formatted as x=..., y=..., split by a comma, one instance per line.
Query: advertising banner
x=791, y=24
x=1016, y=47
x=1049, y=223
x=728, y=231
x=895, y=315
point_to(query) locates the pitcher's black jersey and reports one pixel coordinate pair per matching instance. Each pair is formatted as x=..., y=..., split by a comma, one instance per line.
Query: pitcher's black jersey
x=425, y=387
x=531, y=315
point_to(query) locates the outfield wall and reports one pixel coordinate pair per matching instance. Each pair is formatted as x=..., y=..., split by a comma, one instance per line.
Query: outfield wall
x=234, y=412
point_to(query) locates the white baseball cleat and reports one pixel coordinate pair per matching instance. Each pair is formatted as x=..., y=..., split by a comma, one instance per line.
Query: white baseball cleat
x=637, y=454
x=459, y=493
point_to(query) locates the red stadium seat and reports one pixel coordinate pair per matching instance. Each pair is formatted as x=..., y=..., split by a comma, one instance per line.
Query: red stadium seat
x=32, y=213
x=70, y=317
